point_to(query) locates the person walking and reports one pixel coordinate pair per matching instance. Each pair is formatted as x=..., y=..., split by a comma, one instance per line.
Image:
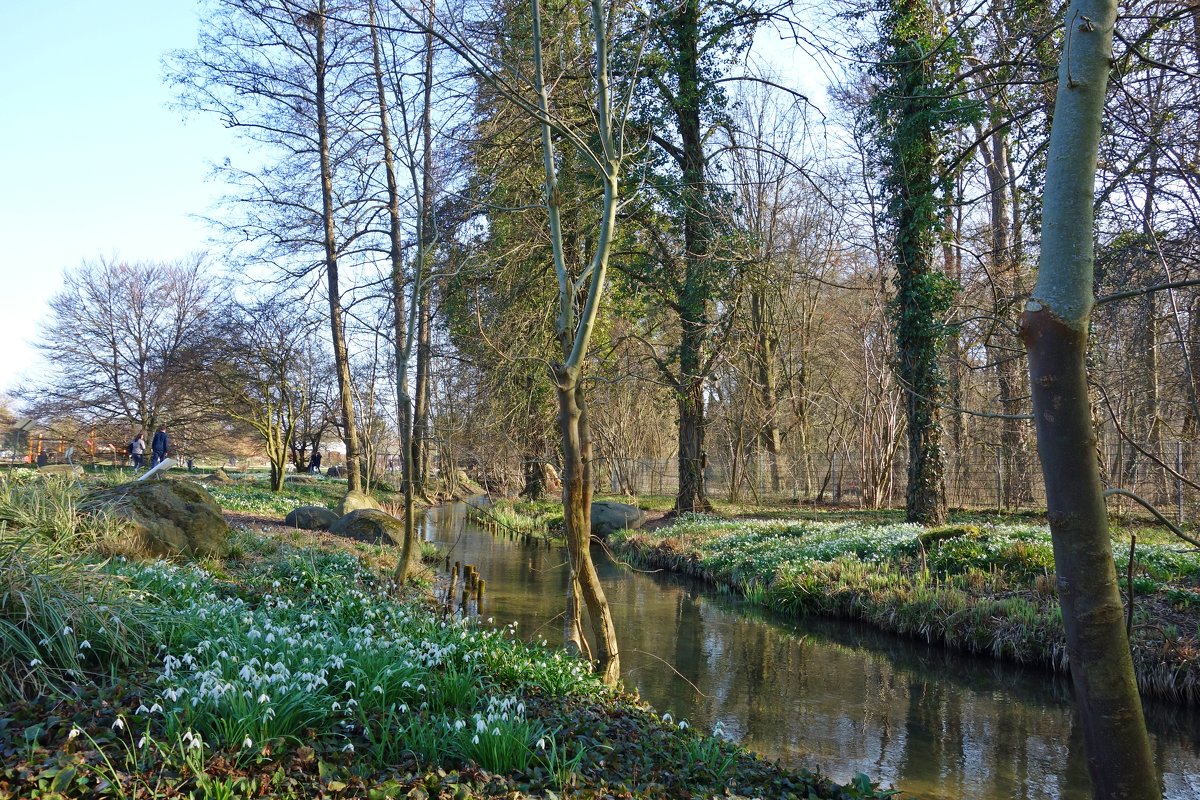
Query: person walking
x=159, y=447
x=137, y=450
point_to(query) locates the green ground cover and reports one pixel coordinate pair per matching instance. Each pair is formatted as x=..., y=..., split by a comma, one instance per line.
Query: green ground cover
x=296, y=671
x=986, y=588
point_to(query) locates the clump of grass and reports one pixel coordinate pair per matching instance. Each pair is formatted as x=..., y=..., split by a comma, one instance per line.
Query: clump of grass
x=64, y=620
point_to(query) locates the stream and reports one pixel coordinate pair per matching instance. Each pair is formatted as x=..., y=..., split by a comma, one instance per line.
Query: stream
x=821, y=694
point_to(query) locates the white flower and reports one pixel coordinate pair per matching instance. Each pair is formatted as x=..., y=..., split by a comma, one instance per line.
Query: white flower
x=66, y=631
x=459, y=725
x=683, y=724
x=73, y=734
x=118, y=724
x=349, y=748
x=142, y=741
x=35, y=662
x=156, y=709
x=248, y=743
x=668, y=718
x=85, y=645
x=264, y=698
x=475, y=739
x=541, y=744
x=481, y=726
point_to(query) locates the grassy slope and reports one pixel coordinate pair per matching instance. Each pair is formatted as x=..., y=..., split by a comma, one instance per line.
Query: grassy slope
x=291, y=671
x=988, y=588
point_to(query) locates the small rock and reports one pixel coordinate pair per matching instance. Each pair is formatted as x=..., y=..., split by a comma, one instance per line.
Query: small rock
x=311, y=518
x=609, y=517
x=73, y=470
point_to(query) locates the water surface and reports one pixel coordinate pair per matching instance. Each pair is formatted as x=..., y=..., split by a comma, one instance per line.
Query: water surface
x=832, y=695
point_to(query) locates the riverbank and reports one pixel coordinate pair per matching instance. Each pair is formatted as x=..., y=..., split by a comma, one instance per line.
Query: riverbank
x=292, y=667
x=986, y=588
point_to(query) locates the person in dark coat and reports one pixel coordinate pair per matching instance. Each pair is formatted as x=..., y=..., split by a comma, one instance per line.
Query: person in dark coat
x=159, y=447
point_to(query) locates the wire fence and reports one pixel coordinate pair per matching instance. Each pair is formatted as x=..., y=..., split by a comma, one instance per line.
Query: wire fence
x=981, y=477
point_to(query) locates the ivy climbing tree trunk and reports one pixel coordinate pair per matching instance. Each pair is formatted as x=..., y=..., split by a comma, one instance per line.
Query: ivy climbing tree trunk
x=1055, y=330
x=910, y=110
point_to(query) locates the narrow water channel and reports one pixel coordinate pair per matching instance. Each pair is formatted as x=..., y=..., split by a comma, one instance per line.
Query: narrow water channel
x=818, y=694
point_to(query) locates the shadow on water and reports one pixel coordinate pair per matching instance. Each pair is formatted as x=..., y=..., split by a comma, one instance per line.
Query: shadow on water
x=817, y=693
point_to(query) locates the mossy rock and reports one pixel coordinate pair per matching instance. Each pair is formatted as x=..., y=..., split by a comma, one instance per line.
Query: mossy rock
x=165, y=517
x=219, y=476
x=370, y=525
x=303, y=479
x=356, y=501
x=311, y=518
x=933, y=536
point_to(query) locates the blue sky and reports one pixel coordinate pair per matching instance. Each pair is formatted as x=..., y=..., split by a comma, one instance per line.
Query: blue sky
x=93, y=161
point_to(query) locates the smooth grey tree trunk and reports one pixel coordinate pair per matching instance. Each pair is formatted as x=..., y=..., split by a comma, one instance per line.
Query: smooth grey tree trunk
x=1055, y=330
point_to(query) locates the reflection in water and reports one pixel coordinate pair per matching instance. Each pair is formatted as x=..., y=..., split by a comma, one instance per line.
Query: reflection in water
x=819, y=693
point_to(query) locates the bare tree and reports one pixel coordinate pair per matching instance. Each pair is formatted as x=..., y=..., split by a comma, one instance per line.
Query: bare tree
x=256, y=376
x=123, y=340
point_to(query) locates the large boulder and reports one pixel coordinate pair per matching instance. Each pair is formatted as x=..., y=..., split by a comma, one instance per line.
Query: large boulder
x=356, y=501
x=165, y=517
x=609, y=517
x=311, y=518
x=370, y=525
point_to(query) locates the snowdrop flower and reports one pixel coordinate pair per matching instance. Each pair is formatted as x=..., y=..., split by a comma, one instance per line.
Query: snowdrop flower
x=475, y=739
x=142, y=741
x=264, y=698
x=66, y=631
x=683, y=724
x=349, y=748
x=85, y=645
x=377, y=688
x=541, y=743
x=118, y=724
x=156, y=709
x=248, y=743
x=73, y=734
x=481, y=726
x=668, y=718
x=459, y=725
x=35, y=662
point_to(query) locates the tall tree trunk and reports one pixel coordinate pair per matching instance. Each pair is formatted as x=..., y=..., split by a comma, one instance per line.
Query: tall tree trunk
x=765, y=346
x=1055, y=330
x=341, y=355
x=421, y=425
x=409, y=549
x=574, y=328
x=696, y=297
